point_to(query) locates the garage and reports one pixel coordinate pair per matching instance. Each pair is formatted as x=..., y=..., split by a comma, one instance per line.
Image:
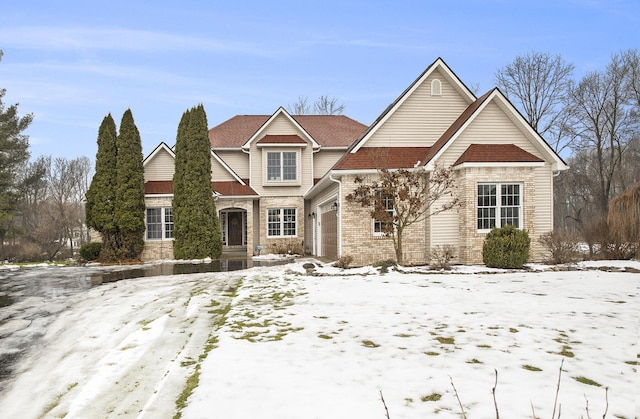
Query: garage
x=329, y=232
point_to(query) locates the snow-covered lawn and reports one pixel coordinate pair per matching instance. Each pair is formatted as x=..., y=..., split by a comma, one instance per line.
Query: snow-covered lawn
x=278, y=342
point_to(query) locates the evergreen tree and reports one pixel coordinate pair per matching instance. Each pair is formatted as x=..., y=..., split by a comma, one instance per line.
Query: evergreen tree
x=101, y=196
x=196, y=223
x=129, y=205
x=14, y=152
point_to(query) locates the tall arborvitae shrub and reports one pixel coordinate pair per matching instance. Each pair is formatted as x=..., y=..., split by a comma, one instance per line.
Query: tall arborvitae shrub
x=101, y=195
x=129, y=207
x=506, y=247
x=196, y=223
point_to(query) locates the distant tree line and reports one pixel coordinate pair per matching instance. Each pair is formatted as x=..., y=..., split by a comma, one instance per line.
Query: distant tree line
x=594, y=122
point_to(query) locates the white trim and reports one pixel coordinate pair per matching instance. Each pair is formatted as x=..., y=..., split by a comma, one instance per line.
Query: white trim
x=227, y=168
x=161, y=146
x=164, y=195
x=297, y=145
x=280, y=111
x=498, y=164
x=434, y=91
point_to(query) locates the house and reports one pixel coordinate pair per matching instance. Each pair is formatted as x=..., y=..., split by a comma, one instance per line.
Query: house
x=284, y=178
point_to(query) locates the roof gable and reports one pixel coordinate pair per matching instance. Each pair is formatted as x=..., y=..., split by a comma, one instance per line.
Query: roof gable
x=475, y=109
x=437, y=65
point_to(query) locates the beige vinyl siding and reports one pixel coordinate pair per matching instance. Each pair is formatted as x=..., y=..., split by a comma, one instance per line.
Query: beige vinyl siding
x=161, y=167
x=281, y=126
x=220, y=173
x=324, y=160
x=444, y=227
x=491, y=126
x=237, y=160
x=422, y=118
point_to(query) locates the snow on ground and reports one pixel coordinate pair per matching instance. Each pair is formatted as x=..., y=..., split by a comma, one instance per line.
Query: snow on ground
x=283, y=342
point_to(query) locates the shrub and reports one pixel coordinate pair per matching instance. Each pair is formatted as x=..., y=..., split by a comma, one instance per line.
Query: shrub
x=563, y=246
x=286, y=247
x=90, y=251
x=344, y=262
x=441, y=257
x=506, y=247
x=384, y=265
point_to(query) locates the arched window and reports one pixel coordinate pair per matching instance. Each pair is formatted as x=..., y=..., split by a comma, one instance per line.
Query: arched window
x=436, y=87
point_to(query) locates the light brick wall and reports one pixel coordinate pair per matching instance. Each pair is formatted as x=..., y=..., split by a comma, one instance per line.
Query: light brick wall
x=280, y=202
x=359, y=241
x=471, y=241
x=157, y=249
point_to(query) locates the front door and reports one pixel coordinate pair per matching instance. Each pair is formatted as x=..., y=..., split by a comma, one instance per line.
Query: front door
x=235, y=225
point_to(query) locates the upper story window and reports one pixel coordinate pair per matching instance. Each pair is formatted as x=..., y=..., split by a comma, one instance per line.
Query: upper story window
x=282, y=166
x=499, y=204
x=436, y=87
x=159, y=223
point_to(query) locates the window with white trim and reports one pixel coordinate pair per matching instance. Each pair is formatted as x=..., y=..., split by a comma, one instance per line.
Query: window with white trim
x=282, y=166
x=499, y=204
x=386, y=201
x=281, y=222
x=159, y=223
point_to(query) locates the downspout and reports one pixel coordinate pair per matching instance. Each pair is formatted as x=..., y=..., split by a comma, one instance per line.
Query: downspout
x=339, y=215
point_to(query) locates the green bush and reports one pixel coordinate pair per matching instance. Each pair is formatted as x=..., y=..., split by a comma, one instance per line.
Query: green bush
x=90, y=251
x=506, y=247
x=384, y=265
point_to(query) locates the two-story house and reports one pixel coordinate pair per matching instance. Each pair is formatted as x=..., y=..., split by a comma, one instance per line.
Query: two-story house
x=285, y=177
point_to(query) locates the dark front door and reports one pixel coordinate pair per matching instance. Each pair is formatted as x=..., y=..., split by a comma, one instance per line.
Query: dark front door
x=234, y=220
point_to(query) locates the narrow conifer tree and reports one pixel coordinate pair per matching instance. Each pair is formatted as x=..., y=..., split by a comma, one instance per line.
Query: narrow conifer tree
x=101, y=195
x=196, y=223
x=129, y=205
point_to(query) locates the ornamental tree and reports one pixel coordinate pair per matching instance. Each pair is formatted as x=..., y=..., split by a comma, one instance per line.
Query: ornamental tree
x=398, y=198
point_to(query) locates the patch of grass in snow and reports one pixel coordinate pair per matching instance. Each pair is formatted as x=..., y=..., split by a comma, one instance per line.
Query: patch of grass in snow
x=513, y=330
x=433, y=397
x=588, y=381
x=631, y=362
x=56, y=401
x=323, y=336
x=531, y=368
x=445, y=340
x=432, y=353
x=404, y=335
x=566, y=351
x=483, y=346
x=369, y=344
x=192, y=382
x=474, y=361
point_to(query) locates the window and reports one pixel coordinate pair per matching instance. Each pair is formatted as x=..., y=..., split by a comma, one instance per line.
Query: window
x=502, y=200
x=159, y=223
x=379, y=225
x=282, y=166
x=281, y=222
x=436, y=88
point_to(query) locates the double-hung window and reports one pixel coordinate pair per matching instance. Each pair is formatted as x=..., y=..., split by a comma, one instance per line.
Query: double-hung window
x=281, y=222
x=499, y=204
x=159, y=223
x=380, y=226
x=282, y=166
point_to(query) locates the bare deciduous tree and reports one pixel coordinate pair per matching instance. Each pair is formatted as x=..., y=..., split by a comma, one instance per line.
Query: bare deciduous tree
x=414, y=195
x=538, y=83
x=322, y=106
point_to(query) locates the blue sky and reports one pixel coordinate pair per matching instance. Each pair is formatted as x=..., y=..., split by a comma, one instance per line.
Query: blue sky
x=71, y=63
